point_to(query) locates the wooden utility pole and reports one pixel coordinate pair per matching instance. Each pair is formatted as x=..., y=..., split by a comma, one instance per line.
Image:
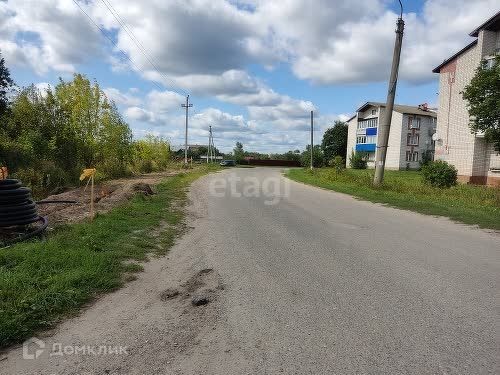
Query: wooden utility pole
x=386, y=118
x=312, y=122
x=187, y=106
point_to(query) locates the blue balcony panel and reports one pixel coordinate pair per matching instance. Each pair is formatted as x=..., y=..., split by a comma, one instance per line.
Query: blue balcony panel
x=371, y=131
x=366, y=147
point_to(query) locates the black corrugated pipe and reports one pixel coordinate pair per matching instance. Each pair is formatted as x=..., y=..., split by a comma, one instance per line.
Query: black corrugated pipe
x=17, y=208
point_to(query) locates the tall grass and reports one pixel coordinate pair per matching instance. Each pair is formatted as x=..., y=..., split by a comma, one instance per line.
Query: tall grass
x=42, y=281
x=405, y=189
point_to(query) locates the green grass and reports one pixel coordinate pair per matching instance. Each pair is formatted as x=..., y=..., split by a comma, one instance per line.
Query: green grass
x=43, y=281
x=469, y=204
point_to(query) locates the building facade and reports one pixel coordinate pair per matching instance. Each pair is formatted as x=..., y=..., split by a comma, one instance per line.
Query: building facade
x=410, y=138
x=475, y=159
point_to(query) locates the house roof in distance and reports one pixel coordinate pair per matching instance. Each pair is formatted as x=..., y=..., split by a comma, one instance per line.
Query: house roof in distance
x=408, y=109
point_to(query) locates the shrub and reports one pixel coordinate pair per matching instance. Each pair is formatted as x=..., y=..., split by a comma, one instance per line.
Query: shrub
x=426, y=158
x=151, y=154
x=439, y=174
x=338, y=163
x=357, y=160
x=318, y=159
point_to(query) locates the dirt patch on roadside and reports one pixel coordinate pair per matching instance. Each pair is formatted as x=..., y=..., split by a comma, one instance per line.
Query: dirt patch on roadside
x=107, y=195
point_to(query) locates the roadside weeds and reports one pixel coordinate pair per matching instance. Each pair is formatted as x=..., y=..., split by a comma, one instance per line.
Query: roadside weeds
x=41, y=282
x=473, y=205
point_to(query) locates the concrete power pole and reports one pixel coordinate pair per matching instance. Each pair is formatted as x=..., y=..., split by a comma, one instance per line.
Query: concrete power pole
x=312, y=140
x=212, y=147
x=385, y=120
x=209, y=153
x=187, y=106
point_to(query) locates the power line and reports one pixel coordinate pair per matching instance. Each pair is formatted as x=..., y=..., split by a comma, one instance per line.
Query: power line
x=114, y=44
x=136, y=41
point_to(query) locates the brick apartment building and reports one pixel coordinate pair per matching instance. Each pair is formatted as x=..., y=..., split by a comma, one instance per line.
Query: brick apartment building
x=410, y=137
x=476, y=160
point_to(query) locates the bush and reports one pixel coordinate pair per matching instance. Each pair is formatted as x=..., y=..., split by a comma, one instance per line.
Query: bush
x=318, y=159
x=358, y=160
x=426, y=158
x=151, y=154
x=439, y=174
x=338, y=163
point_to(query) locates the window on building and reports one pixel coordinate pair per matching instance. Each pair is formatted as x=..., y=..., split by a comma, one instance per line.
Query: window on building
x=371, y=139
x=412, y=139
x=411, y=156
x=361, y=139
x=490, y=61
x=369, y=123
x=374, y=112
x=414, y=122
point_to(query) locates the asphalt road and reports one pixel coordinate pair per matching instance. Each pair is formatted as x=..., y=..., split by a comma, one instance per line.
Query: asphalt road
x=311, y=282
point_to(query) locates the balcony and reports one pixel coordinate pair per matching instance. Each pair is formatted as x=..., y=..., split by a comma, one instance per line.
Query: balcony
x=366, y=147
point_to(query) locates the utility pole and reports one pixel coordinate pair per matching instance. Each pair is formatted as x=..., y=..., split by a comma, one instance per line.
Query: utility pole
x=209, y=142
x=312, y=140
x=187, y=106
x=385, y=120
x=212, y=148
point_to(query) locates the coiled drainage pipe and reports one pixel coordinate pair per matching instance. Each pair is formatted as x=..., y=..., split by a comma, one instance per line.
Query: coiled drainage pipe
x=18, y=209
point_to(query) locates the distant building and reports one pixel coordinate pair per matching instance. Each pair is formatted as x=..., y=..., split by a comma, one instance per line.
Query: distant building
x=410, y=136
x=192, y=148
x=475, y=159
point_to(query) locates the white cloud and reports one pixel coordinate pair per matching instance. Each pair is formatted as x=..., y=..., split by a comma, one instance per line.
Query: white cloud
x=206, y=46
x=360, y=49
x=128, y=99
x=163, y=101
x=139, y=114
x=58, y=36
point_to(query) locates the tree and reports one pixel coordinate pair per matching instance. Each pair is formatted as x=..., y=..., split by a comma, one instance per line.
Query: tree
x=6, y=84
x=335, y=141
x=318, y=157
x=483, y=97
x=238, y=151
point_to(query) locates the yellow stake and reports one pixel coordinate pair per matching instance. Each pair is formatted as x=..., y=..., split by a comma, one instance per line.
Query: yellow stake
x=89, y=172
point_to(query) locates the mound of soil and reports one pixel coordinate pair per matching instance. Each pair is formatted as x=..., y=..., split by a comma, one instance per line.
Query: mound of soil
x=106, y=196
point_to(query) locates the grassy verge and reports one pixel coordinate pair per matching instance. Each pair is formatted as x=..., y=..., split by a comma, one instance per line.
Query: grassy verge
x=42, y=281
x=465, y=203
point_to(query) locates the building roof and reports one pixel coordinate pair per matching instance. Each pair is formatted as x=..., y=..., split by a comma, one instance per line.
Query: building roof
x=350, y=118
x=493, y=24
x=437, y=69
x=408, y=109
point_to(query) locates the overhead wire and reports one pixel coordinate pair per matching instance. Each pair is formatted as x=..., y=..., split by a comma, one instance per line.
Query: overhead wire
x=139, y=45
x=180, y=92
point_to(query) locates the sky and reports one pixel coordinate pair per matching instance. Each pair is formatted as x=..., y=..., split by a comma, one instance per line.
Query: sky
x=254, y=69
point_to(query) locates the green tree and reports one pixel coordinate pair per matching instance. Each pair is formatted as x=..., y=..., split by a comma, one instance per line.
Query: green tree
x=334, y=141
x=150, y=154
x=483, y=97
x=238, y=152
x=6, y=84
x=318, y=157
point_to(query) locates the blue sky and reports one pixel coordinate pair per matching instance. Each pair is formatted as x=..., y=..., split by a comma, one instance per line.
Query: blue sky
x=254, y=68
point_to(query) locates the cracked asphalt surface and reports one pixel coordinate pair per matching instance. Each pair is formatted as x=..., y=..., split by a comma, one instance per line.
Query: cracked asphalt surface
x=304, y=281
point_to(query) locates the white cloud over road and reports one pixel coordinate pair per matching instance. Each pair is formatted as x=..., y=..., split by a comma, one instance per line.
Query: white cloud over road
x=206, y=46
